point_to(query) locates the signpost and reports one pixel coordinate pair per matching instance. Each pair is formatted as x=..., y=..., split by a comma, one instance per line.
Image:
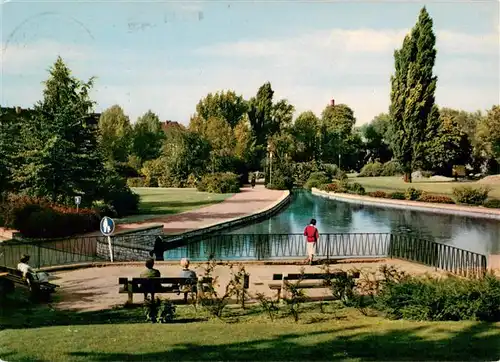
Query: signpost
x=107, y=227
x=78, y=201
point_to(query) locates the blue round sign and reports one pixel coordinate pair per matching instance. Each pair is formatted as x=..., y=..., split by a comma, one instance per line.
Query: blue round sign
x=107, y=226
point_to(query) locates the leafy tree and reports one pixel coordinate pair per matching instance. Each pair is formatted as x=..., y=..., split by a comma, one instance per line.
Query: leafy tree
x=282, y=115
x=186, y=153
x=115, y=134
x=220, y=135
x=376, y=138
x=489, y=132
x=338, y=118
x=148, y=137
x=337, y=124
x=245, y=143
x=226, y=105
x=11, y=120
x=450, y=146
x=260, y=114
x=305, y=130
x=412, y=94
x=60, y=152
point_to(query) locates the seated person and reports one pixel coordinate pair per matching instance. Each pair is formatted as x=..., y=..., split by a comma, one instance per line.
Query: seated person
x=150, y=272
x=25, y=268
x=188, y=273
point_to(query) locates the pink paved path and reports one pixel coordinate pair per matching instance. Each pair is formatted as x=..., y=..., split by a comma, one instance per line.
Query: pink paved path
x=248, y=201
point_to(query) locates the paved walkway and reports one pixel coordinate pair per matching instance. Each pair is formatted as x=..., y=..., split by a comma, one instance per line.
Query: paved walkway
x=249, y=201
x=97, y=288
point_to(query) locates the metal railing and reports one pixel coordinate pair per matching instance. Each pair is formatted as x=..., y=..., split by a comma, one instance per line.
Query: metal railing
x=251, y=247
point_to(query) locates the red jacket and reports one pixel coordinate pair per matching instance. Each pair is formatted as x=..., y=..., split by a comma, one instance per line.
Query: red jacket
x=312, y=233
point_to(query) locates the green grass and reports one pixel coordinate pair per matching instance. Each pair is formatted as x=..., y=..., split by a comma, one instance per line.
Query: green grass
x=168, y=201
x=395, y=183
x=41, y=334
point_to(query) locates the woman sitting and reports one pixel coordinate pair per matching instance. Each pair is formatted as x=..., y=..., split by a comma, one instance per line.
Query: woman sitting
x=25, y=268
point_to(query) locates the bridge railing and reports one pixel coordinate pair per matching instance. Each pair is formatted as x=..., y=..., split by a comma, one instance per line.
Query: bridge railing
x=253, y=247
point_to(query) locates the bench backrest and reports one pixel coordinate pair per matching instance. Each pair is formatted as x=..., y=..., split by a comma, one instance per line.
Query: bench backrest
x=313, y=276
x=151, y=284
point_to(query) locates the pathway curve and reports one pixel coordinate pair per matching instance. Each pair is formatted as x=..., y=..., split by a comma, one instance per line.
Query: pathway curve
x=249, y=201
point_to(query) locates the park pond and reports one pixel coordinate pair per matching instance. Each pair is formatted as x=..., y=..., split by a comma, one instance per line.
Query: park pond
x=336, y=217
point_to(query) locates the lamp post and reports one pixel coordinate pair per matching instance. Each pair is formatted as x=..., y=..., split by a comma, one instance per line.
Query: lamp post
x=270, y=152
x=339, y=161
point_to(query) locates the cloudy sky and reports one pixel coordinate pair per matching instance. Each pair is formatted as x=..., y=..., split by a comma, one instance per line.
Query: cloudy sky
x=165, y=56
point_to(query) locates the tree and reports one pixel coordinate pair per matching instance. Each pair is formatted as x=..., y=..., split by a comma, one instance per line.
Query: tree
x=450, y=146
x=226, y=105
x=489, y=132
x=376, y=138
x=148, y=137
x=260, y=114
x=305, y=131
x=338, y=118
x=220, y=135
x=11, y=120
x=60, y=156
x=282, y=115
x=115, y=134
x=337, y=122
x=412, y=94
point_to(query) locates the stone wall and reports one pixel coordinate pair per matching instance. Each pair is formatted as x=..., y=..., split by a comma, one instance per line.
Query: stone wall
x=130, y=244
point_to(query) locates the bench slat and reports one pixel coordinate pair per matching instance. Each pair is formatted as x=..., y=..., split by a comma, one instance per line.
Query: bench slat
x=314, y=276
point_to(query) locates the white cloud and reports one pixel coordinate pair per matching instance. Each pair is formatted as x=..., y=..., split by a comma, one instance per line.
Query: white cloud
x=352, y=66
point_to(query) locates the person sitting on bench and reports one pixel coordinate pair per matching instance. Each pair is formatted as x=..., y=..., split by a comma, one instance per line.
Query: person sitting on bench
x=150, y=272
x=25, y=268
x=188, y=273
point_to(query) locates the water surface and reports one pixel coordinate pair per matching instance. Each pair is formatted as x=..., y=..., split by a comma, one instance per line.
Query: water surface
x=473, y=234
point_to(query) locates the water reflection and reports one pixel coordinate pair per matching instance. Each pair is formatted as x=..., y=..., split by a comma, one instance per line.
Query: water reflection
x=477, y=235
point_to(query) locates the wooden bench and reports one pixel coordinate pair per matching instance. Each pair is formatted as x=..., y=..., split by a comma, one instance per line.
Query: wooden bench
x=11, y=278
x=308, y=280
x=161, y=285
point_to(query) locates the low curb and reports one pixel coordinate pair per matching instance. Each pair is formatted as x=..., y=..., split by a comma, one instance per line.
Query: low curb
x=468, y=211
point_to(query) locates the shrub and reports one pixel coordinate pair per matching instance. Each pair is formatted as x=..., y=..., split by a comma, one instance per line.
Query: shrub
x=426, y=174
x=397, y=195
x=450, y=298
x=219, y=183
x=55, y=221
x=437, y=199
x=470, y=195
x=391, y=168
x=380, y=194
x=316, y=180
x=159, y=311
x=119, y=196
x=136, y=182
x=333, y=187
x=356, y=188
x=371, y=170
x=492, y=204
x=412, y=194
x=280, y=181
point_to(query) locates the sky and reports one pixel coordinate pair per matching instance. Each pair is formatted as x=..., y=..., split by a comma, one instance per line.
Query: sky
x=166, y=56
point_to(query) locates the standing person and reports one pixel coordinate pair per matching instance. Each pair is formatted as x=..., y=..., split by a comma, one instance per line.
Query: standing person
x=311, y=235
x=253, y=180
x=158, y=249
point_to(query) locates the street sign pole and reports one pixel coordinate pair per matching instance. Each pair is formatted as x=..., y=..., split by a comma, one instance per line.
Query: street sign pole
x=110, y=249
x=107, y=227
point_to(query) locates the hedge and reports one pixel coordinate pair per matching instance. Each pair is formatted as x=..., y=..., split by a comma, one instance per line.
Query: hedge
x=220, y=183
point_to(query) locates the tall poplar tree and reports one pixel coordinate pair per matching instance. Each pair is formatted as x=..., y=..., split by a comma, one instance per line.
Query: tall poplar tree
x=412, y=94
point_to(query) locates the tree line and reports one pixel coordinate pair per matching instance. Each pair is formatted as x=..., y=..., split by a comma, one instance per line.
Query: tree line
x=61, y=147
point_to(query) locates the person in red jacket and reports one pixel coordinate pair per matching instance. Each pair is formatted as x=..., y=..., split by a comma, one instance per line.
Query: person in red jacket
x=311, y=235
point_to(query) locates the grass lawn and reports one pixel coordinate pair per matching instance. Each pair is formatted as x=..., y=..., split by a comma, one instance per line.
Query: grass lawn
x=336, y=333
x=168, y=201
x=395, y=183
